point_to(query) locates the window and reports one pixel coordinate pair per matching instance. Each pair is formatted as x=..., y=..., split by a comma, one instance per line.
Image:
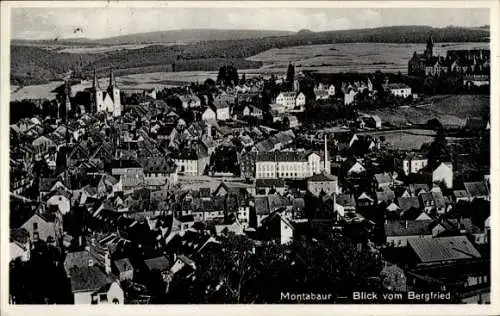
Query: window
x=35, y=226
x=116, y=301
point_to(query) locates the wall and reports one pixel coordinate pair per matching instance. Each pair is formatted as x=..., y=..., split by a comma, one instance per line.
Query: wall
x=83, y=298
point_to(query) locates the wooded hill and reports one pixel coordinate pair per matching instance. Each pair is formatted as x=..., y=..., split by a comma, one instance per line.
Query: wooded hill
x=31, y=65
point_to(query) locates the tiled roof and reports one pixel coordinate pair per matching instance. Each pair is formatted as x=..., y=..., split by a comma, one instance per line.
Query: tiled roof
x=439, y=199
x=345, y=200
x=159, y=264
x=261, y=205
x=406, y=203
x=386, y=196
x=321, y=177
x=443, y=249
x=383, y=178
x=269, y=183
x=416, y=188
x=123, y=265
x=88, y=279
x=20, y=235
x=281, y=156
x=78, y=259
x=475, y=189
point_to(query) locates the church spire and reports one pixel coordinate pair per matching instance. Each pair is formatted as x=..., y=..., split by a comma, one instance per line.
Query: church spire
x=111, y=78
x=95, y=82
x=430, y=45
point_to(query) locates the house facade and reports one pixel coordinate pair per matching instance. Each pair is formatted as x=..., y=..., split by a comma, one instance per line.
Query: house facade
x=443, y=174
x=413, y=164
x=323, y=182
x=288, y=165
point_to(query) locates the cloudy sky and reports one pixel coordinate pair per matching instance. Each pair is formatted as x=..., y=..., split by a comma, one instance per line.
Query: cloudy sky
x=46, y=23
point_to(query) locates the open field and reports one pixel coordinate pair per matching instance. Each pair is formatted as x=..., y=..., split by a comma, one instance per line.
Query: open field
x=408, y=139
x=41, y=91
x=105, y=49
x=137, y=81
x=352, y=57
x=450, y=110
x=345, y=57
x=411, y=139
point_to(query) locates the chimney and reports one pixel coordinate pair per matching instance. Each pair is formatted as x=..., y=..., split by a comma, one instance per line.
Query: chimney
x=326, y=154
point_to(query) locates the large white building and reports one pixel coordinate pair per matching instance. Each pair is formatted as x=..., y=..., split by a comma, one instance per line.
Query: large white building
x=291, y=100
x=290, y=164
x=398, y=90
x=106, y=100
x=286, y=164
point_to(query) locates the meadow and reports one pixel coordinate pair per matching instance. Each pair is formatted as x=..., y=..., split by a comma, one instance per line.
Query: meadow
x=345, y=57
x=352, y=57
x=412, y=139
x=450, y=110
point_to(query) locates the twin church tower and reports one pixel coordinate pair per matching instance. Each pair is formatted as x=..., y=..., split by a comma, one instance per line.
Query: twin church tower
x=106, y=100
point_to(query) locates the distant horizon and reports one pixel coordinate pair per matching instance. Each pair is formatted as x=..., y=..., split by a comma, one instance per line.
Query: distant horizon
x=244, y=30
x=102, y=23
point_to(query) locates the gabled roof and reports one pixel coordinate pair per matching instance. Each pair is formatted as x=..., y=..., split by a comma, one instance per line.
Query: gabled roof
x=157, y=264
x=416, y=188
x=88, y=279
x=269, y=183
x=345, y=200
x=19, y=235
x=406, y=203
x=386, y=196
x=123, y=265
x=439, y=200
x=475, y=189
x=322, y=177
x=425, y=197
x=261, y=205
x=78, y=259
x=443, y=249
x=365, y=196
x=383, y=178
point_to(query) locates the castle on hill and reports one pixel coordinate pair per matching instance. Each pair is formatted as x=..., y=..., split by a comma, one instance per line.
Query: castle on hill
x=464, y=62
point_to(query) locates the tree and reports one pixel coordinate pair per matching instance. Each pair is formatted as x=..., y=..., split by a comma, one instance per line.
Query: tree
x=228, y=76
x=223, y=275
x=240, y=272
x=439, y=150
x=290, y=74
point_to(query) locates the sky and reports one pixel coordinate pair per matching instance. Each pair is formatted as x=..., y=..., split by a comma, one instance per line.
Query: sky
x=47, y=23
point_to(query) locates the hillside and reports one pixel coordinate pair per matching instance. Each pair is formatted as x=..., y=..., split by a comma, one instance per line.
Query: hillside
x=165, y=37
x=28, y=63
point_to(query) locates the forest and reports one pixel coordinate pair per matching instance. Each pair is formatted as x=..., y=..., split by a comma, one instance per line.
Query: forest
x=32, y=65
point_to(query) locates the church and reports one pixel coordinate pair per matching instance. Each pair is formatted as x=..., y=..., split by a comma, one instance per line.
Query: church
x=106, y=100
x=418, y=62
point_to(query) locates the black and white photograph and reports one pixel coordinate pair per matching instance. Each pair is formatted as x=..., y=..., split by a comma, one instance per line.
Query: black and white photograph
x=247, y=154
